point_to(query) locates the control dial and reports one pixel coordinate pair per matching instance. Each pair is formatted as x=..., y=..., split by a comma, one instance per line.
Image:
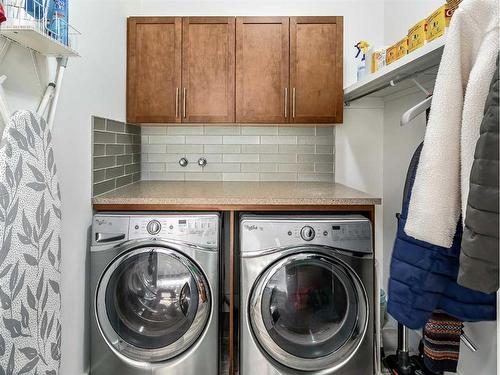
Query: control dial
x=154, y=227
x=307, y=233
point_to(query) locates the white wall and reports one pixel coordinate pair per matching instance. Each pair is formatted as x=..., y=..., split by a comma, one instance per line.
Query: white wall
x=400, y=15
x=359, y=156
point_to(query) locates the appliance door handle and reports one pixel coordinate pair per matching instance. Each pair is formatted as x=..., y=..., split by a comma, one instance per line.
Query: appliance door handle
x=109, y=237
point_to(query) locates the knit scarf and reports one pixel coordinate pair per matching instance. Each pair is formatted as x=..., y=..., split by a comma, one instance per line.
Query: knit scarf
x=442, y=342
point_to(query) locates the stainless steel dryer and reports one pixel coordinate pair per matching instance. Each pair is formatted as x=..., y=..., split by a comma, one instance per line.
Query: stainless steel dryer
x=154, y=282
x=306, y=295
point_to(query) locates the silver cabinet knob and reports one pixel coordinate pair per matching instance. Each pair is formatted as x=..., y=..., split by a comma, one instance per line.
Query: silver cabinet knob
x=202, y=162
x=183, y=162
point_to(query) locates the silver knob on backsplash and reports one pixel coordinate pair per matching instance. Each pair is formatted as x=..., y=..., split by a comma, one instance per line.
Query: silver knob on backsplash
x=183, y=162
x=202, y=162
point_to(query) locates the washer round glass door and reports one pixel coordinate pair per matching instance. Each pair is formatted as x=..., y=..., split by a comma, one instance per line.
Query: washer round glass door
x=152, y=303
x=309, y=312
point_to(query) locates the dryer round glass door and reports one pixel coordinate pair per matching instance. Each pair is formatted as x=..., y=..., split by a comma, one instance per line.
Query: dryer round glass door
x=309, y=312
x=152, y=304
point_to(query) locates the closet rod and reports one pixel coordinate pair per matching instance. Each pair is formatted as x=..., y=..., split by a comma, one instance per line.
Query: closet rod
x=392, y=83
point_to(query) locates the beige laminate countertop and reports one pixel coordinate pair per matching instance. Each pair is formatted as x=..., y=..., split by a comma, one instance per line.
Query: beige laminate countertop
x=149, y=195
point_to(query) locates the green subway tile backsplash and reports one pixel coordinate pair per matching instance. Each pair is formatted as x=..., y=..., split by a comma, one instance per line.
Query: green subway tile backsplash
x=99, y=175
x=101, y=137
x=103, y=187
x=99, y=150
x=99, y=123
x=116, y=151
x=124, y=180
x=125, y=153
x=124, y=159
x=238, y=153
x=104, y=162
x=115, y=172
x=115, y=126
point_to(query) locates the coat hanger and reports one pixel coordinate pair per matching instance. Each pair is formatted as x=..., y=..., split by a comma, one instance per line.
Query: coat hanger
x=416, y=110
x=421, y=107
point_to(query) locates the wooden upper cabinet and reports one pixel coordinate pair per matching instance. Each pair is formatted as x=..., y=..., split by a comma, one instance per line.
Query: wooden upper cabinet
x=274, y=70
x=208, y=69
x=316, y=76
x=262, y=69
x=154, y=69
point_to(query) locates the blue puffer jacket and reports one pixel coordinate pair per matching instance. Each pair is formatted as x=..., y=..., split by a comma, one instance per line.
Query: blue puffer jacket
x=423, y=277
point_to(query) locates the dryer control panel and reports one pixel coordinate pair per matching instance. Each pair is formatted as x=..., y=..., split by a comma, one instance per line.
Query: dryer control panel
x=202, y=230
x=346, y=232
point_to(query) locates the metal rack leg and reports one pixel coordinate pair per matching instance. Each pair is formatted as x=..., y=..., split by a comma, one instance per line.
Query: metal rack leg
x=62, y=63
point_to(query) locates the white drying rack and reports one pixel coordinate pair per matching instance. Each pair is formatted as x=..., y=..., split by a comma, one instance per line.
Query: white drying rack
x=27, y=25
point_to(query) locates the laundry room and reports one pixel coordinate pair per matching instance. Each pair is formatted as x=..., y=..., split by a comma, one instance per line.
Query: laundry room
x=244, y=187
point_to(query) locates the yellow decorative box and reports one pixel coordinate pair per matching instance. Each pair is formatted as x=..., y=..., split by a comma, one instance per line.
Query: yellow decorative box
x=402, y=48
x=391, y=54
x=416, y=36
x=438, y=21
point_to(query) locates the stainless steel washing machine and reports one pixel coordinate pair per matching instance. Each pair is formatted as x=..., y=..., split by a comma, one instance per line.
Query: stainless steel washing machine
x=306, y=295
x=154, y=282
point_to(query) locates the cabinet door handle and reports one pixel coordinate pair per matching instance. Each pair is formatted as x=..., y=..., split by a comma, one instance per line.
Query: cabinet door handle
x=176, y=102
x=293, y=102
x=286, y=102
x=184, y=102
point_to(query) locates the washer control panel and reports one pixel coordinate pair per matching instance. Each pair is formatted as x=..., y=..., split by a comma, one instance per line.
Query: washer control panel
x=202, y=229
x=347, y=232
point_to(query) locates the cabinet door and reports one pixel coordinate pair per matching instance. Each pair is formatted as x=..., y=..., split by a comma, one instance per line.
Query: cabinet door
x=262, y=69
x=154, y=69
x=316, y=75
x=208, y=69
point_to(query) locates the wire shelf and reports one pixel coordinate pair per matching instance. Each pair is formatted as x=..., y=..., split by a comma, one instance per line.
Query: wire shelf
x=31, y=24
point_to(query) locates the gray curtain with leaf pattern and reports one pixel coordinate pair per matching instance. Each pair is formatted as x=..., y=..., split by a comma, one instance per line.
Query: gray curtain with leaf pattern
x=30, y=252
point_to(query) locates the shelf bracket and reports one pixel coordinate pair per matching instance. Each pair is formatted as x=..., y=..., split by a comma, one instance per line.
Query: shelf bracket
x=62, y=63
x=422, y=88
x=36, y=67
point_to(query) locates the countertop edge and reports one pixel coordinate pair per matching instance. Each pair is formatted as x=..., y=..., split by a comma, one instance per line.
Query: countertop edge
x=237, y=201
x=146, y=195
